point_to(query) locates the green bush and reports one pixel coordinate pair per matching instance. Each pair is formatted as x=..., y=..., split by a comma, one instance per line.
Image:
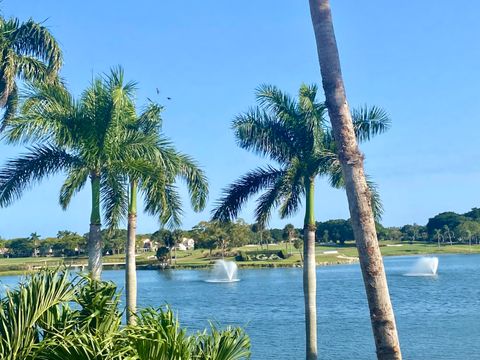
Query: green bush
x=51, y=317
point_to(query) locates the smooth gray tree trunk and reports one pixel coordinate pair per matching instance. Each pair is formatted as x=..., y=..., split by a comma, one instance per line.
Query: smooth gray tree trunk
x=371, y=262
x=131, y=270
x=95, y=251
x=310, y=292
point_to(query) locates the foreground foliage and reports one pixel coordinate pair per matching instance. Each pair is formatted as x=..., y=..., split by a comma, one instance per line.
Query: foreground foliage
x=50, y=316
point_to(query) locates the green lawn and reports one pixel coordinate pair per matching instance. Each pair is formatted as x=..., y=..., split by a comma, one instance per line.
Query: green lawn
x=200, y=258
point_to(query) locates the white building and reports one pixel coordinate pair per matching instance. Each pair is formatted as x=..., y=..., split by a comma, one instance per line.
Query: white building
x=186, y=244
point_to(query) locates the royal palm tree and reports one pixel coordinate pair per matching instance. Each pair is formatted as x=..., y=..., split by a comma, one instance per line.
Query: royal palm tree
x=88, y=140
x=358, y=194
x=447, y=233
x=28, y=52
x=35, y=238
x=294, y=135
x=155, y=179
x=289, y=232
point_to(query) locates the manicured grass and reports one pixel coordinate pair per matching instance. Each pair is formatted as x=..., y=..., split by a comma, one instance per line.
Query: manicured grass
x=201, y=258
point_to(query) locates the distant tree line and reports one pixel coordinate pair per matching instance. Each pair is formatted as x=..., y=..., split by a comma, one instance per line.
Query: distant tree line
x=444, y=228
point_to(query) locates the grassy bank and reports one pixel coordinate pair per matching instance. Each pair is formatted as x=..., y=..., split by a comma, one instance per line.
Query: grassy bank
x=326, y=255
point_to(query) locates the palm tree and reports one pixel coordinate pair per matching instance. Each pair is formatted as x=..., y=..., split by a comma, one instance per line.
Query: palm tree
x=358, y=194
x=448, y=233
x=438, y=235
x=155, y=179
x=289, y=232
x=34, y=237
x=293, y=134
x=87, y=139
x=28, y=52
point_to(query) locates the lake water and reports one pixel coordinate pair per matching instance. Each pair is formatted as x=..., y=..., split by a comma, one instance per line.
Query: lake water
x=438, y=317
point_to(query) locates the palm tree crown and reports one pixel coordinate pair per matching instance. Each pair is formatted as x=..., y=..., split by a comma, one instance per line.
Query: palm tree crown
x=295, y=134
x=29, y=52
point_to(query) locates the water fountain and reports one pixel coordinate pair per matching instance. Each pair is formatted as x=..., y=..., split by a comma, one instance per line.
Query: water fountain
x=224, y=271
x=425, y=266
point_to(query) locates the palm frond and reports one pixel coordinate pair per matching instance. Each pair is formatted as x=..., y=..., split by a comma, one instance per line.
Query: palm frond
x=375, y=200
x=370, y=121
x=48, y=113
x=23, y=309
x=272, y=98
x=261, y=133
x=150, y=119
x=29, y=67
x=114, y=198
x=292, y=190
x=33, y=38
x=39, y=163
x=196, y=181
x=76, y=178
x=11, y=107
x=162, y=199
x=268, y=201
x=240, y=191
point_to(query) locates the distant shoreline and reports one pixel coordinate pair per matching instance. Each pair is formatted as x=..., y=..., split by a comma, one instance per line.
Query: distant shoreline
x=197, y=260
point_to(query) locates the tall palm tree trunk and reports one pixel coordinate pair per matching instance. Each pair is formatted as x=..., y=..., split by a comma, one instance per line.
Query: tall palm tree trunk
x=309, y=275
x=95, y=236
x=381, y=312
x=131, y=266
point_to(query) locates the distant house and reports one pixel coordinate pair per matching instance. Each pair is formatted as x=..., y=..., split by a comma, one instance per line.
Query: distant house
x=148, y=245
x=186, y=244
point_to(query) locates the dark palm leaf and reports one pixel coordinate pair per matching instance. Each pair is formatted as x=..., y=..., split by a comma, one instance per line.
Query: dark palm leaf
x=370, y=121
x=76, y=178
x=114, y=198
x=258, y=131
x=39, y=163
x=237, y=194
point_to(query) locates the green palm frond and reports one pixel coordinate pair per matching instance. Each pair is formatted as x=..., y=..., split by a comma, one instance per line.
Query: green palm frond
x=375, y=200
x=150, y=120
x=230, y=343
x=158, y=336
x=22, y=309
x=11, y=106
x=280, y=103
x=48, y=113
x=29, y=68
x=29, y=52
x=268, y=201
x=114, y=198
x=196, y=181
x=292, y=191
x=162, y=199
x=33, y=38
x=370, y=121
x=75, y=181
x=261, y=133
x=39, y=163
x=235, y=196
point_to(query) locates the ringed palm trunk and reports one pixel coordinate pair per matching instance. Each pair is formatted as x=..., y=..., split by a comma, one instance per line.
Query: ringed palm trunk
x=309, y=275
x=131, y=266
x=371, y=262
x=95, y=236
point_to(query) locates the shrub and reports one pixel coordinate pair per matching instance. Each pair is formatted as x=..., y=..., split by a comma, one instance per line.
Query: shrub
x=37, y=322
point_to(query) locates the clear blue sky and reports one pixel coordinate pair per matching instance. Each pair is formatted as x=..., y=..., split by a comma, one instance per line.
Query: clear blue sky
x=420, y=60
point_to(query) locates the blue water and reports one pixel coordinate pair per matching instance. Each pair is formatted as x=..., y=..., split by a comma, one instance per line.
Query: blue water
x=438, y=317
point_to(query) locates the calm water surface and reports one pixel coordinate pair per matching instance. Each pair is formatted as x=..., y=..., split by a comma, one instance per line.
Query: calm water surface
x=438, y=317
